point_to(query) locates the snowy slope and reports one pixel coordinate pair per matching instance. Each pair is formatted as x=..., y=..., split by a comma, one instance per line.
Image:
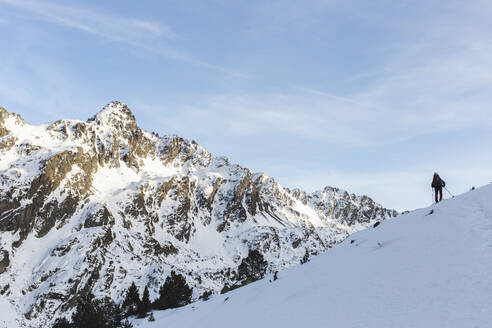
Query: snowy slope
x=96, y=205
x=417, y=270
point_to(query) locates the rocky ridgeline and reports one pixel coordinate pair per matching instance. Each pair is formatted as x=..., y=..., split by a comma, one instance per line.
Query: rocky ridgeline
x=96, y=205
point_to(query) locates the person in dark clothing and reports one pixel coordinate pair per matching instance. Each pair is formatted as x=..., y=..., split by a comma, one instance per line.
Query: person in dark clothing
x=438, y=184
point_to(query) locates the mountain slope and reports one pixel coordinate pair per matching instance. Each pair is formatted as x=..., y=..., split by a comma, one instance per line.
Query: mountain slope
x=418, y=270
x=92, y=206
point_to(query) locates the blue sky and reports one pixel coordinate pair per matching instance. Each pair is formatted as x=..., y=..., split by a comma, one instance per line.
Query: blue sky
x=370, y=96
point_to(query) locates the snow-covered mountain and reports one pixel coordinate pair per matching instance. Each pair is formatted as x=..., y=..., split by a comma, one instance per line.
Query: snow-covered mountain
x=95, y=205
x=428, y=268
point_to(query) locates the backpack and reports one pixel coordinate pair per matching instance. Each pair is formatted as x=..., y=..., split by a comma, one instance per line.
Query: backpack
x=437, y=182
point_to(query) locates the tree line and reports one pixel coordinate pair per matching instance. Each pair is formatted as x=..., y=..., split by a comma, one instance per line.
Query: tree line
x=175, y=292
x=104, y=313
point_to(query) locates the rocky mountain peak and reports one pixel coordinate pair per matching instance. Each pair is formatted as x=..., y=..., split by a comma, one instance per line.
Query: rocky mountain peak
x=4, y=117
x=3, y=114
x=115, y=114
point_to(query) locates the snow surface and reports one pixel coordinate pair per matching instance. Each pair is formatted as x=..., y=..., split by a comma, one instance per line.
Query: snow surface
x=418, y=270
x=8, y=314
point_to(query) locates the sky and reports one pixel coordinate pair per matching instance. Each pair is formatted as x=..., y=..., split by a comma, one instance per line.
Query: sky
x=369, y=96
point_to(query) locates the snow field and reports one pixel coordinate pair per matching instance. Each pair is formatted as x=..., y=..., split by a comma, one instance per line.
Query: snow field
x=417, y=270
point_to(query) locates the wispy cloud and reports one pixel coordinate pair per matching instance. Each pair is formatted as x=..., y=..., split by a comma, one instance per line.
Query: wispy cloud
x=438, y=83
x=440, y=95
x=112, y=26
x=139, y=33
x=174, y=54
x=444, y=91
x=326, y=94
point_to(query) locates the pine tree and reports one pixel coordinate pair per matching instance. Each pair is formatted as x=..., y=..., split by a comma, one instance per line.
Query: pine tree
x=92, y=313
x=62, y=323
x=252, y=268
x=132, y=300
x=126, y=324
x=175, y=292
x=112, y=312
x=88, y=314
x=144, y=305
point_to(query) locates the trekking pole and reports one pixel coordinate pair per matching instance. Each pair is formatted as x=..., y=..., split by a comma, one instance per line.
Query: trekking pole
x=449, y=192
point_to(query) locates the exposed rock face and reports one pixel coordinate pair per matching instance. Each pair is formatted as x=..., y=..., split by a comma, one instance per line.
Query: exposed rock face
x=4, y=261
x=6, y=143
x=95, y=205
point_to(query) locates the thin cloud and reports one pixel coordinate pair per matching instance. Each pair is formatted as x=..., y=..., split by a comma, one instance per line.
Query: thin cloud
x=179, y=56
x=135, y=32
x=355, y=103
x=325, y=94
x=442, y=93
x=271, y=114
x=112, y=27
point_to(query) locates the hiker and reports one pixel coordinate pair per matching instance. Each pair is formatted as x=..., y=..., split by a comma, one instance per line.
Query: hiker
x=438, y=184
